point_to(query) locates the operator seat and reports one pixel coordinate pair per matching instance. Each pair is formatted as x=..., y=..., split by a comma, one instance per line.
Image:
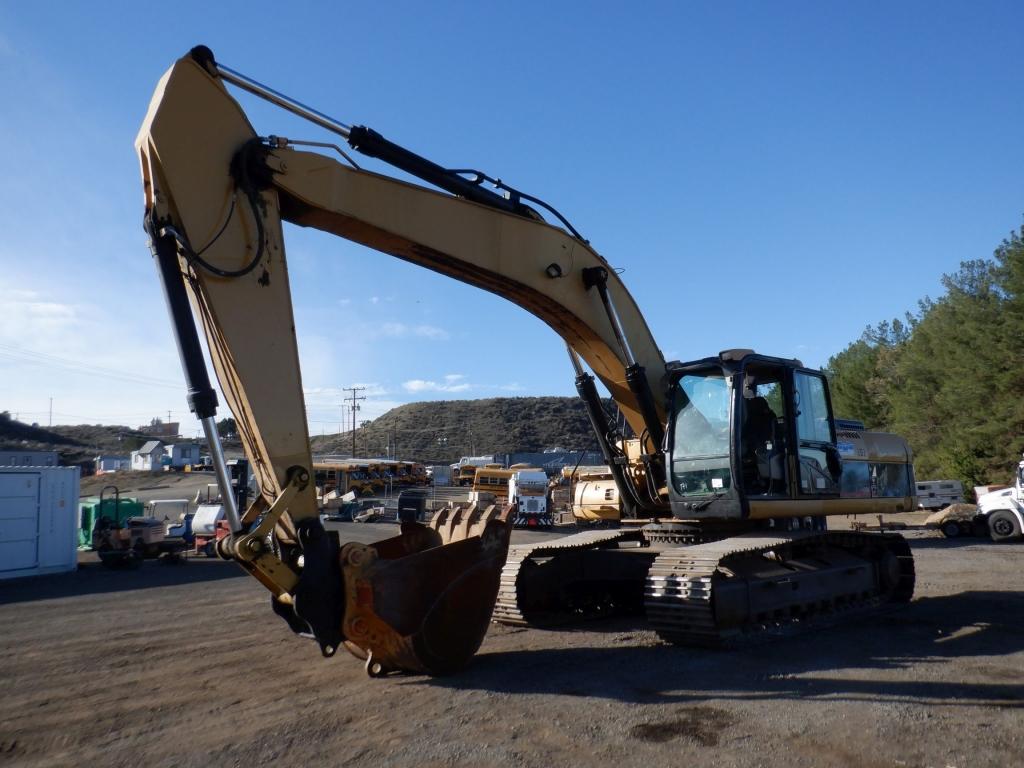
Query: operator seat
x=763, y=464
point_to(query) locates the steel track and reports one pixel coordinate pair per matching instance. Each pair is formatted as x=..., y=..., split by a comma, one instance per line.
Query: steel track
x=680, y=588
x=507, y=609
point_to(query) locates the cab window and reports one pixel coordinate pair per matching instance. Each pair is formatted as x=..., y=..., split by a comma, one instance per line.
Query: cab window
x=700, y=444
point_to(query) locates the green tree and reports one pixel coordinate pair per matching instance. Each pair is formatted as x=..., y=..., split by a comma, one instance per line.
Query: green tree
x=947, y=402
x=227, y=428
x=862, y=374
x=948, y=378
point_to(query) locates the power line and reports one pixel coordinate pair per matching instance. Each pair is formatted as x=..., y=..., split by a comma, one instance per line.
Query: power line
x=45, y=360
x=121, y=418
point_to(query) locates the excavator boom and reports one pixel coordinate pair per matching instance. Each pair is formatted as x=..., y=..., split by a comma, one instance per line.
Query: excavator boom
x=216, y=195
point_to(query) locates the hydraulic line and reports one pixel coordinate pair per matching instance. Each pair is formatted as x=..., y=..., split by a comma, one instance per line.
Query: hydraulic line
x=587, y=389
x=372, y=144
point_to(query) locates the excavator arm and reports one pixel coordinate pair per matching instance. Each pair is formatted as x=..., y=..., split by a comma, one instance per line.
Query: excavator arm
x=215, y=197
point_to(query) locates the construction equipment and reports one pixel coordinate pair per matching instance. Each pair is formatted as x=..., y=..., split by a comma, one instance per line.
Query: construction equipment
x=208, y=525
x=595, y=496
x=735, y=454
x=125, y=541
x=117, y=509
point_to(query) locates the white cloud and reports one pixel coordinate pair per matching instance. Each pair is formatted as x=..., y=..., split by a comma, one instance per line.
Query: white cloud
x=26, y=317
x=98, y=366
x=456, y=382
x=344, y=302
x=332, y=395
x=420, y=385
x=396, y=330
x=431, y=332
x=375, y=299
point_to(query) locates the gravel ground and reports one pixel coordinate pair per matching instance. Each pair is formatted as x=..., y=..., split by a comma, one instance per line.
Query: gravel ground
x=186, y=666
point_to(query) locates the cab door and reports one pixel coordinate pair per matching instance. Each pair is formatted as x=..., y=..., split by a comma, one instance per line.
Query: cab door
x=818, y=467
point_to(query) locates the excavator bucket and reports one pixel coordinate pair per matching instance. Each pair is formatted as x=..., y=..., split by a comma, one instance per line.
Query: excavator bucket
x=422, y=601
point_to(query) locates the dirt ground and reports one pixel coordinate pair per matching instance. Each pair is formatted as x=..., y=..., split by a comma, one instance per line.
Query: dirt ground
x=147, y=486
x=186, y=666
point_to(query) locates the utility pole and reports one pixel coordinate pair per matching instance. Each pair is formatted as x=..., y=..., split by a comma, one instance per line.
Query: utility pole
x=362, y=423
x=355, y=407
x=51, y=412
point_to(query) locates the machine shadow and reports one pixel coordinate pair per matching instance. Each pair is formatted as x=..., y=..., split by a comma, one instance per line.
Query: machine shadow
x=840, y=662
x=93, y=578
x=941, y=542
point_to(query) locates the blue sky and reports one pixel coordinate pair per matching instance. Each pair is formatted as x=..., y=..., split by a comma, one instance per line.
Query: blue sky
x=767, y=175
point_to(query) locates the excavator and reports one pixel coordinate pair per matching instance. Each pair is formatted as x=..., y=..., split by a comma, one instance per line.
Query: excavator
x=733, y=466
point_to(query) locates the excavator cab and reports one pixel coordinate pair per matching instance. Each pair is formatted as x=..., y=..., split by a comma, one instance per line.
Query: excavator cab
x=747, y=432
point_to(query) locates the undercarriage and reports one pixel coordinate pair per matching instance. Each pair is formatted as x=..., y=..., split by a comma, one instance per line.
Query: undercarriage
x=717, y=592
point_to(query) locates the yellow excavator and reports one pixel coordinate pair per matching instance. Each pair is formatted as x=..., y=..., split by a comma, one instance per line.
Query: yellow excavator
x=737, y=465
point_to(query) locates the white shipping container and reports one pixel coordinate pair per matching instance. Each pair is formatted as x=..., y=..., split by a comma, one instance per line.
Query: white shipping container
x=39, y=520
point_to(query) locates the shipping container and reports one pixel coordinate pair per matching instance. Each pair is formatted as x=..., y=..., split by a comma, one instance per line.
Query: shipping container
x=38, y=520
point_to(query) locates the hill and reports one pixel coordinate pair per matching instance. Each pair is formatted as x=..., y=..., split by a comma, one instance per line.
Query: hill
x=436, y=432
x=75, y=443
x=442, y=431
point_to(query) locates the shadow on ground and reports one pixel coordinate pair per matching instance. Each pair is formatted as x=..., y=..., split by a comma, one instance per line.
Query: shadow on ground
x=94, y=578
x=941, y=542
x=841, y=663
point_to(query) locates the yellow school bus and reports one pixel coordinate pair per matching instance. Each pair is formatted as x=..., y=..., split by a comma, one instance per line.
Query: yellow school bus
x=492, y=479
x=341, y=477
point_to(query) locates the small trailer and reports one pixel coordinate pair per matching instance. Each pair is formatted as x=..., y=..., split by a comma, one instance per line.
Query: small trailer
x=939, y=494
x=954, y=522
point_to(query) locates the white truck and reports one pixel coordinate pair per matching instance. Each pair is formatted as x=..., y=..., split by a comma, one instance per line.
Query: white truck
x=465, y=468
x=528, y=494
x=1004, y=510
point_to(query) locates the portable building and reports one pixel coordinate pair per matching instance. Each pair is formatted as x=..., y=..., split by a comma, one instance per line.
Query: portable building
x=38, y=520
x=29, y=459
x=148, y=458
x=179, y=455
x=105, y=464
